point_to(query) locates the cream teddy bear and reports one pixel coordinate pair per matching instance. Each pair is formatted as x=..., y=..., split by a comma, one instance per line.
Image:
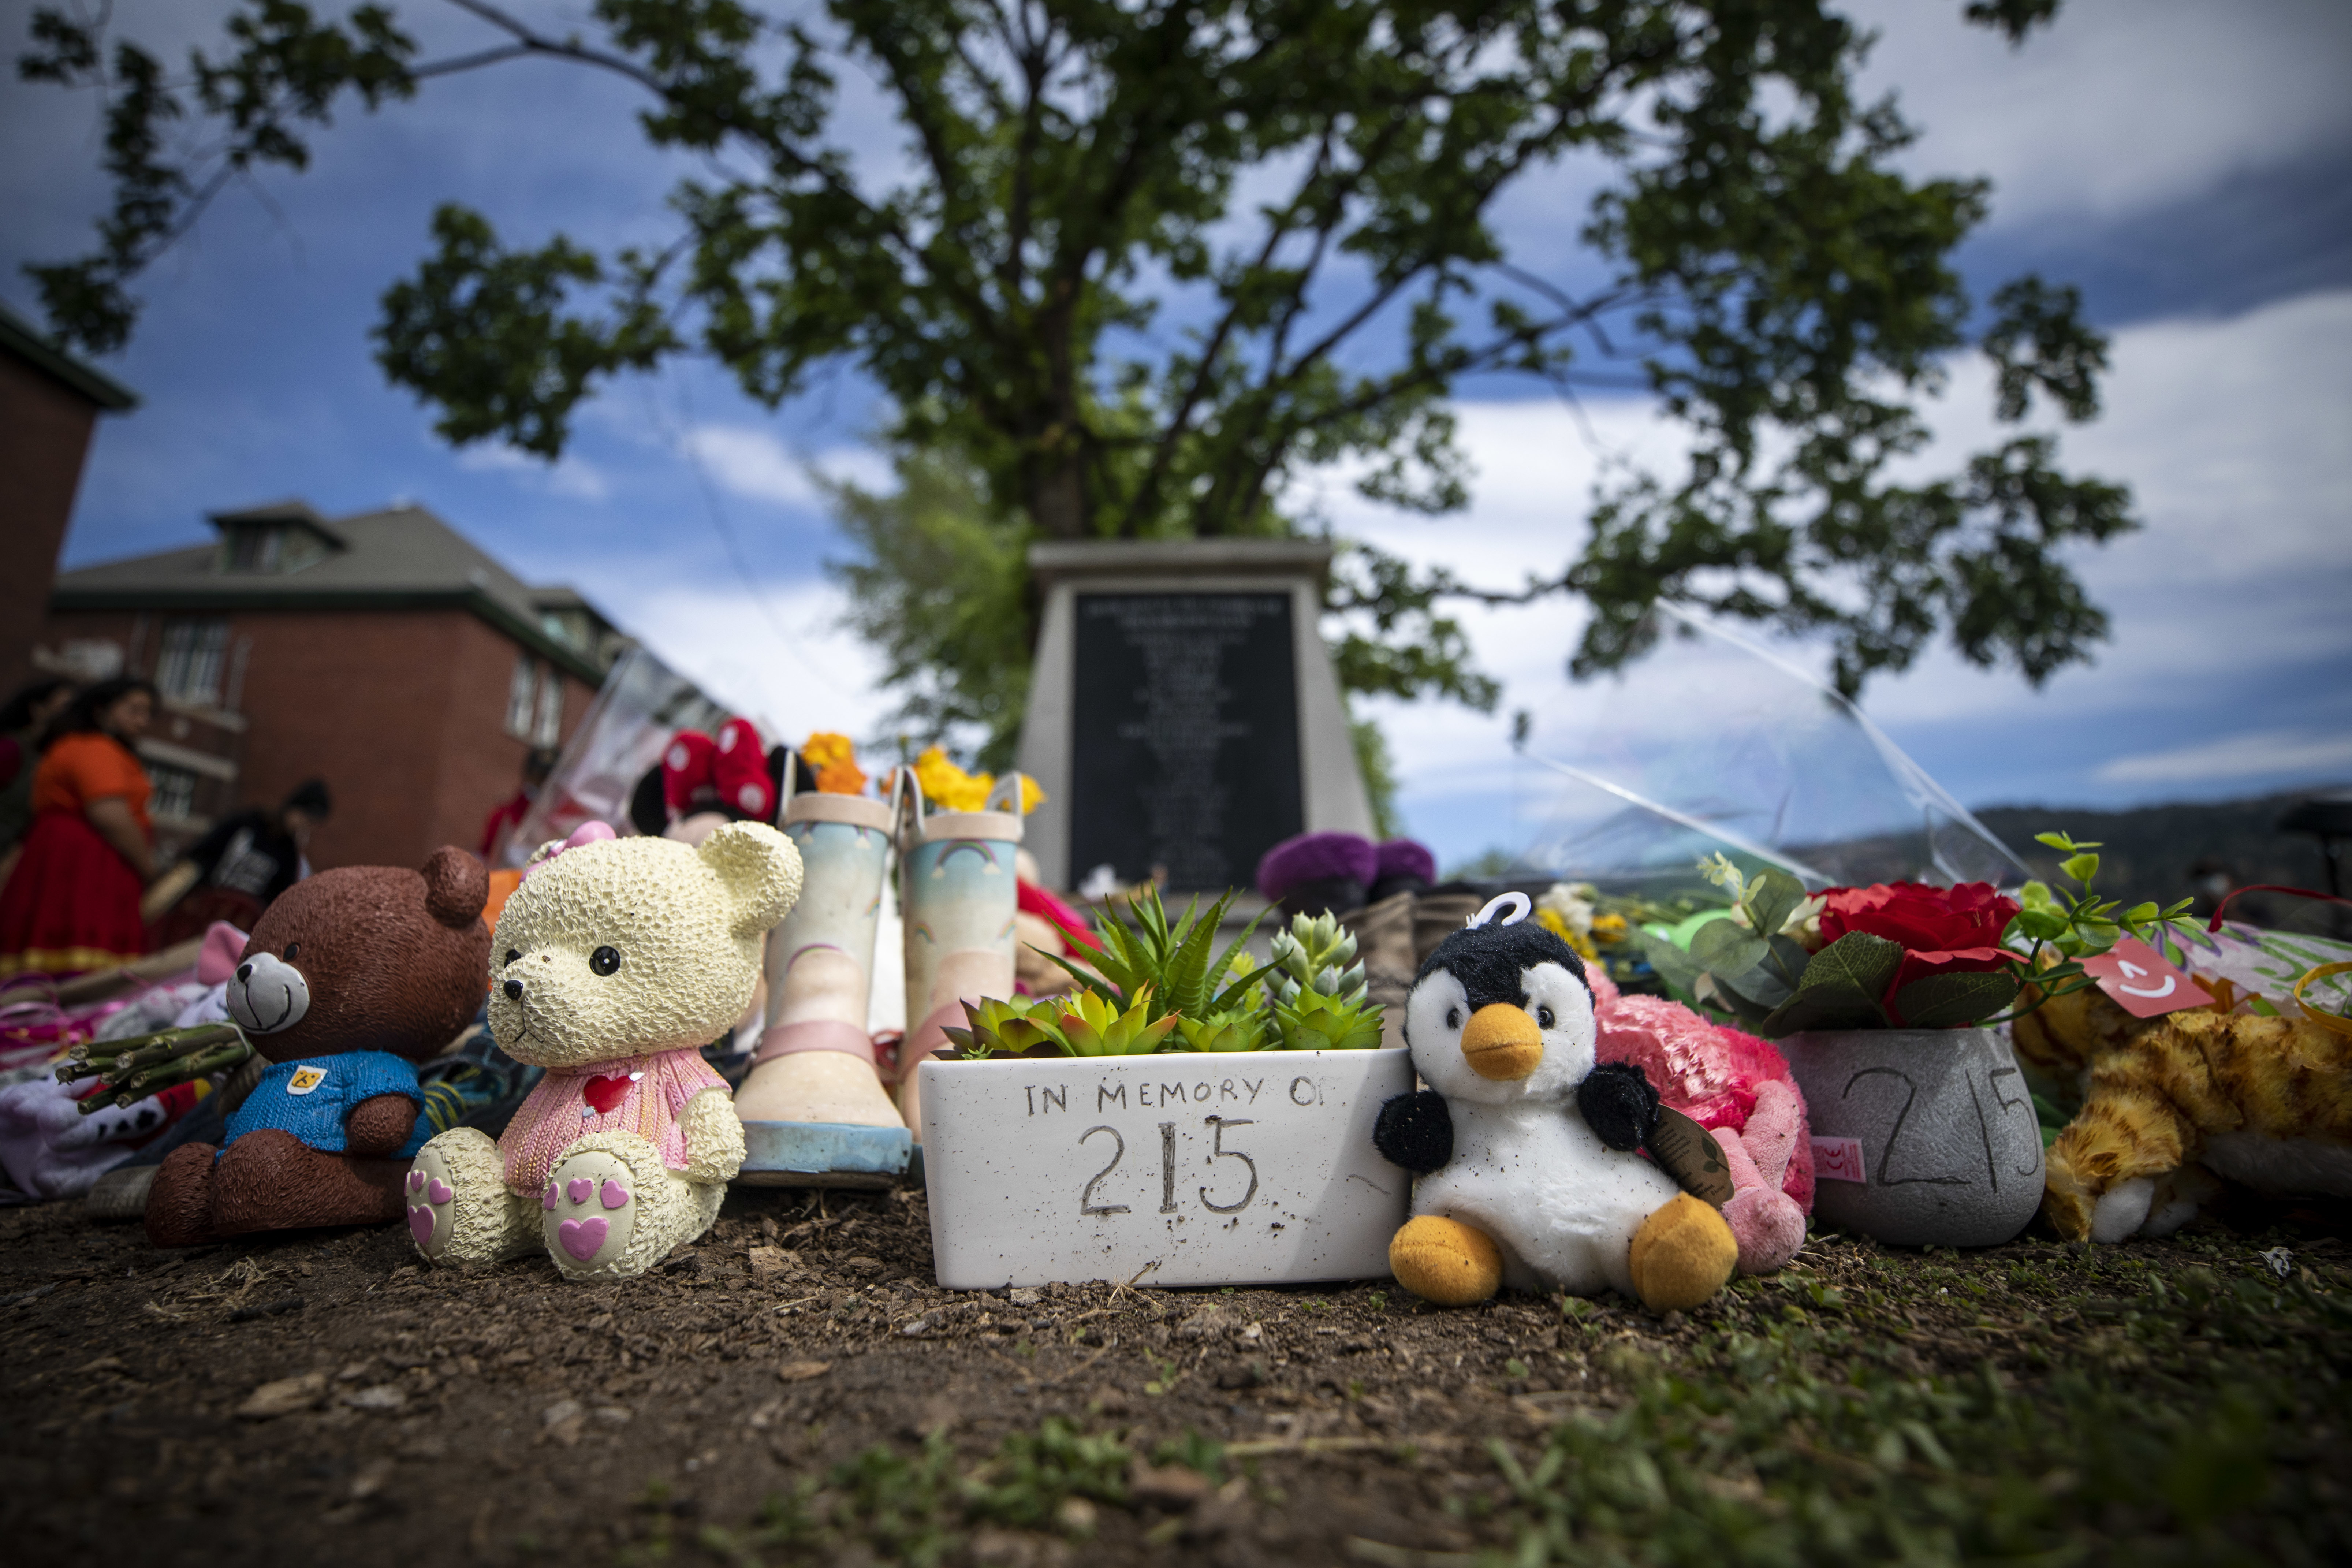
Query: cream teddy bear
x=614, y=962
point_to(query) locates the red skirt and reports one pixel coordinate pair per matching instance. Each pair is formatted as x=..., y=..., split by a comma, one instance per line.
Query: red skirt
x=71, y=904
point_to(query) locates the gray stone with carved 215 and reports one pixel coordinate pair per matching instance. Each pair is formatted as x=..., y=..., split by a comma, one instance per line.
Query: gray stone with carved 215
x=1207, y=1168
x=1920, y=1136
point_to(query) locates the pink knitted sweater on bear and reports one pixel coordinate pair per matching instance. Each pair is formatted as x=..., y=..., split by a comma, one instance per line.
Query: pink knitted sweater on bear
x=645, y=1095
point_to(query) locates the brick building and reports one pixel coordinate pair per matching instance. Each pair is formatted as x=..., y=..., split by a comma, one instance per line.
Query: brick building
x=50, y=403
x=381, y=652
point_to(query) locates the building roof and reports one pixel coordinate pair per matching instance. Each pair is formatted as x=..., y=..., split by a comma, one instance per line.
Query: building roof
x=403, y=558
x=27, y=342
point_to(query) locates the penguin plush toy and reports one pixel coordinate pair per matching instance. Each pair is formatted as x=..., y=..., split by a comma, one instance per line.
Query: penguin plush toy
x=1526, y=1150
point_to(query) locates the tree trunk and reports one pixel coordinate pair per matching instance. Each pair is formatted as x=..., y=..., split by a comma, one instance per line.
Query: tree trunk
x=1057, y=501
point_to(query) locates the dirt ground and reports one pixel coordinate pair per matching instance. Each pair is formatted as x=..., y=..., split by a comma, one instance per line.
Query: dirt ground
x=794, y=1388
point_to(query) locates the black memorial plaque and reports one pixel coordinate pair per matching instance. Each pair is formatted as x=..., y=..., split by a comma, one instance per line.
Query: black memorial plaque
x=1185, y=746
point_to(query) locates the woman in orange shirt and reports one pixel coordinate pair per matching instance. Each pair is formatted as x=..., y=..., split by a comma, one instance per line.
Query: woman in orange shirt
x=72, y=902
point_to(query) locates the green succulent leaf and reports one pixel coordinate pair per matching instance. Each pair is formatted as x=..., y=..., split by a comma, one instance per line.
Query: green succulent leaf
x=1236, y=1030
x=1315, y=1022
x=1095, y=1028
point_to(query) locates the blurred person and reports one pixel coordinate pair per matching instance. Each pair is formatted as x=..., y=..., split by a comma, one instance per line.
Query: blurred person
x=71, y=903
x=537, y=764
x=22, y=723
x=237, y=870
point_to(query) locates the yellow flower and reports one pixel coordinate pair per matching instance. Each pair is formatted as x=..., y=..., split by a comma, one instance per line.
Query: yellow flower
x=946, y=787
x=1551, y=920
x=1609, y=930
x=834, y=757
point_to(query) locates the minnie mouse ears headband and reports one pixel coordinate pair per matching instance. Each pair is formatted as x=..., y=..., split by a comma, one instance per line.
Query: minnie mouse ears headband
x=728, y=772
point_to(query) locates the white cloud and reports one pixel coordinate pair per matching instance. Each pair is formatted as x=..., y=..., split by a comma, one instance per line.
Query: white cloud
x=777, y=653
x=2257, y=755
x=2123, y=105
x=2230, y=434
x=748, y=461
x=568, y=476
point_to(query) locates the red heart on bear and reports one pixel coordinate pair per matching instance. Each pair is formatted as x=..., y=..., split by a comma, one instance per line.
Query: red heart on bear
x=603, y=1093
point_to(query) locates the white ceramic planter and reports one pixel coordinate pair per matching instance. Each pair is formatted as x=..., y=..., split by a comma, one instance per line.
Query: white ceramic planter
x=1186, y=1169
x=1920, y=1136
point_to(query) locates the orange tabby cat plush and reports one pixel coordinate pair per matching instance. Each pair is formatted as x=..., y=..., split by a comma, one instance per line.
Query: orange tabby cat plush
x=2171, y=1103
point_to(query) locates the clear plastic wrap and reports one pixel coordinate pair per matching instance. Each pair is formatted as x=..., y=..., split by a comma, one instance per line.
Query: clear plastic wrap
x=642, y=704
x=1713, y=744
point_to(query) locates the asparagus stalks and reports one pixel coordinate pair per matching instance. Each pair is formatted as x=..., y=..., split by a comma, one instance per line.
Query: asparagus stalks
x=132, y=1070
x=202, y=1064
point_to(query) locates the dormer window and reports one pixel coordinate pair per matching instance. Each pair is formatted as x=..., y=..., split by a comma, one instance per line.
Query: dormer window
x=272, y=543
x=253, y=548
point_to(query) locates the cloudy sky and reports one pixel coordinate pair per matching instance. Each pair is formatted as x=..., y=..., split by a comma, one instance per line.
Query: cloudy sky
x=2189, y=164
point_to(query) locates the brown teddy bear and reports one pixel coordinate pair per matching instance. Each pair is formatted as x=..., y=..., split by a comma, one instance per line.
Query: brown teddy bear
x=350, y=978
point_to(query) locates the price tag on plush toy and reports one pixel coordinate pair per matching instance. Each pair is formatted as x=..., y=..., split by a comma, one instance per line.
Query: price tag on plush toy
x=2143, y=981
x=1690, y=1155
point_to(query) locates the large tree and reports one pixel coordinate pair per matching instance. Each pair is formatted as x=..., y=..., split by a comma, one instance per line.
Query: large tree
x=1079, y=332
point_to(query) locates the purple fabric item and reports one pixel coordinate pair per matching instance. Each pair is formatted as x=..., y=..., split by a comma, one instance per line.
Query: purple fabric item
x=1406, y=857
x=1313, y=857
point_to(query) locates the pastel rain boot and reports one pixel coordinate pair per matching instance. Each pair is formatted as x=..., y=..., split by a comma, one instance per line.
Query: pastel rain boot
x=959, y=890
x=814, y=1113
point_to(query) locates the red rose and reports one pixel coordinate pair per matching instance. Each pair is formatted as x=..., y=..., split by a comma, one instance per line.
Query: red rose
x=1944, y=931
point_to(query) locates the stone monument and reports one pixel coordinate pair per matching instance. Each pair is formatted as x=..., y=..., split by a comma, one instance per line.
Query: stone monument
x=1184, y=713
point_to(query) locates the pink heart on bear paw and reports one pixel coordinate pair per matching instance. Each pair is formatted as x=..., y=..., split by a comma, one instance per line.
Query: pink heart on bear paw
x=581, y=1238
x=547, y=1199
x=420, y=1224
x=615, y=1196
x=416, y=1181
x=578, y=1188
x=439, y=1190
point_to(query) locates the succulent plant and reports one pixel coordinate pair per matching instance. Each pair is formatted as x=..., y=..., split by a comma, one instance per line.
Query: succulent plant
x=1174, y=963
x=1235, y=1029
x=1010, y=1028
x=1317, y=1021
x=1316, y=954
x=1093, y=1027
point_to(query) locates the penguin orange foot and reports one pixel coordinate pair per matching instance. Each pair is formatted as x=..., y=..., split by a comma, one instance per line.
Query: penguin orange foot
x=1682, y=1255
x=1445, y=1261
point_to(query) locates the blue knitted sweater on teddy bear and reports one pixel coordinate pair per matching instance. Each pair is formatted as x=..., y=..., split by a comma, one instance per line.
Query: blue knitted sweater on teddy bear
x=311, y=1098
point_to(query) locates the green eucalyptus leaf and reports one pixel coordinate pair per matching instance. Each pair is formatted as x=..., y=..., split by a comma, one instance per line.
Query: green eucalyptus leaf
x=1725, y=947
x=1749, y=1009
x=1771, y=899
x=1788, y=961
x=1677, y=968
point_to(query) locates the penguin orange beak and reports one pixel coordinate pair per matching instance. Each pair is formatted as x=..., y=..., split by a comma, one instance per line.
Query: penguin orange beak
x=1502, y=1043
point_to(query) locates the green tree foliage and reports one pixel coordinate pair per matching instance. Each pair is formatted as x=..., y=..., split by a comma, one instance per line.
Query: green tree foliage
x=1067, y=293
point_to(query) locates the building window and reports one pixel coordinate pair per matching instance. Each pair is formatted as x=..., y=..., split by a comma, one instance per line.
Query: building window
x=175, y=791
x=521, y=696
x=254, y=549
x=548, y=727
x=195, y=652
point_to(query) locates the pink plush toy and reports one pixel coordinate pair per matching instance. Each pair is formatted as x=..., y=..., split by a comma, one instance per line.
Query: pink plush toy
x=1737, y=1087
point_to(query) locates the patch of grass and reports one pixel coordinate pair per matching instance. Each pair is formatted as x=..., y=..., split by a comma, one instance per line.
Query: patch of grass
x=2192, y=1426
x=916, y=1509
